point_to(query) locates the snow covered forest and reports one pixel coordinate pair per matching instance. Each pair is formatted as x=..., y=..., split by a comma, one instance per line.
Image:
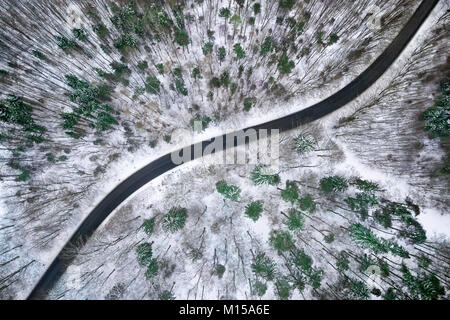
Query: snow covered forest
x=92, y=89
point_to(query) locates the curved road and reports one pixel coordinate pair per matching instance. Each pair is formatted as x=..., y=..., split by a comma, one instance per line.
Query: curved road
x=164, y=164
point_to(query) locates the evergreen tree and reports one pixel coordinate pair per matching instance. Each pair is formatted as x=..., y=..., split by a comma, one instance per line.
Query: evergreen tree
x=304, y=143
x=307, y=203
x=207, y=48
x=267, y=46
x=224, y=13
x=259, y=288
x=148, y=226
x=152, y=269
x=281, y=240
x=256, y=8
x=342, y=262
x=181, y=37
x=174, y=220
x=333, y=184
x=254, y=210
x=422, y=286
x=295, y=220
x=229, y=191
x=166, y=295
x=283, y=288
x=221, y=54
x=263, y=266
x=285, y=65
x=220, y=270
x=64, y=43
x=290, y=193
x=144, y=253
x=239, y=51
x=262, y=174
x=287, y=4
x=361, y=203
x=152, y=85
x=79, y=34
x=365, y=185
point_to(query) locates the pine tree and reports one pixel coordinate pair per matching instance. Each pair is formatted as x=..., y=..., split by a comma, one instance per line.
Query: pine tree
x=267, y=46
x=422, y=286
x=152, y=269
x=364, y=185
x=259, y=288
x=333, y=184
x=166, y=295
x=221, y=54
x=174, y=220
x=342, y=261
x=295, y=220
x=285, y=66
x=207, y=48
x=152, y=85
x=239, y=51
x=307, y=203
x=148, y=226
x=144, y=253
x=79, y=34
x=254, y=210
x=290, y=193
x=224, y=13
x=262, y=174
x=229, y=191
x=283, y=288
x=263, y=266
x=220, y=270
x=281, y=240
x=304, y=143
x=287, y=4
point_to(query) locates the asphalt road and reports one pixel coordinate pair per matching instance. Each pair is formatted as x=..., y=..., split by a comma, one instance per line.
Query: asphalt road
x=164, y=164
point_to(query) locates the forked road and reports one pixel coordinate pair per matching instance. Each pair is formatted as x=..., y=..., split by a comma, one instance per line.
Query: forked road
x=164, y=164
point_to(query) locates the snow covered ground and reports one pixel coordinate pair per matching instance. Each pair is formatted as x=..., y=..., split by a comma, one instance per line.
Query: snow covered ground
x=31, y=235
x=217, y=232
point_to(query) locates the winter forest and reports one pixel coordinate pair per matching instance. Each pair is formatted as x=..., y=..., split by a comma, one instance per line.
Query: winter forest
x=93, y=90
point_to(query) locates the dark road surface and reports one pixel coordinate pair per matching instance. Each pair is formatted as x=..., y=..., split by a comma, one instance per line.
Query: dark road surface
x=164, y=164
